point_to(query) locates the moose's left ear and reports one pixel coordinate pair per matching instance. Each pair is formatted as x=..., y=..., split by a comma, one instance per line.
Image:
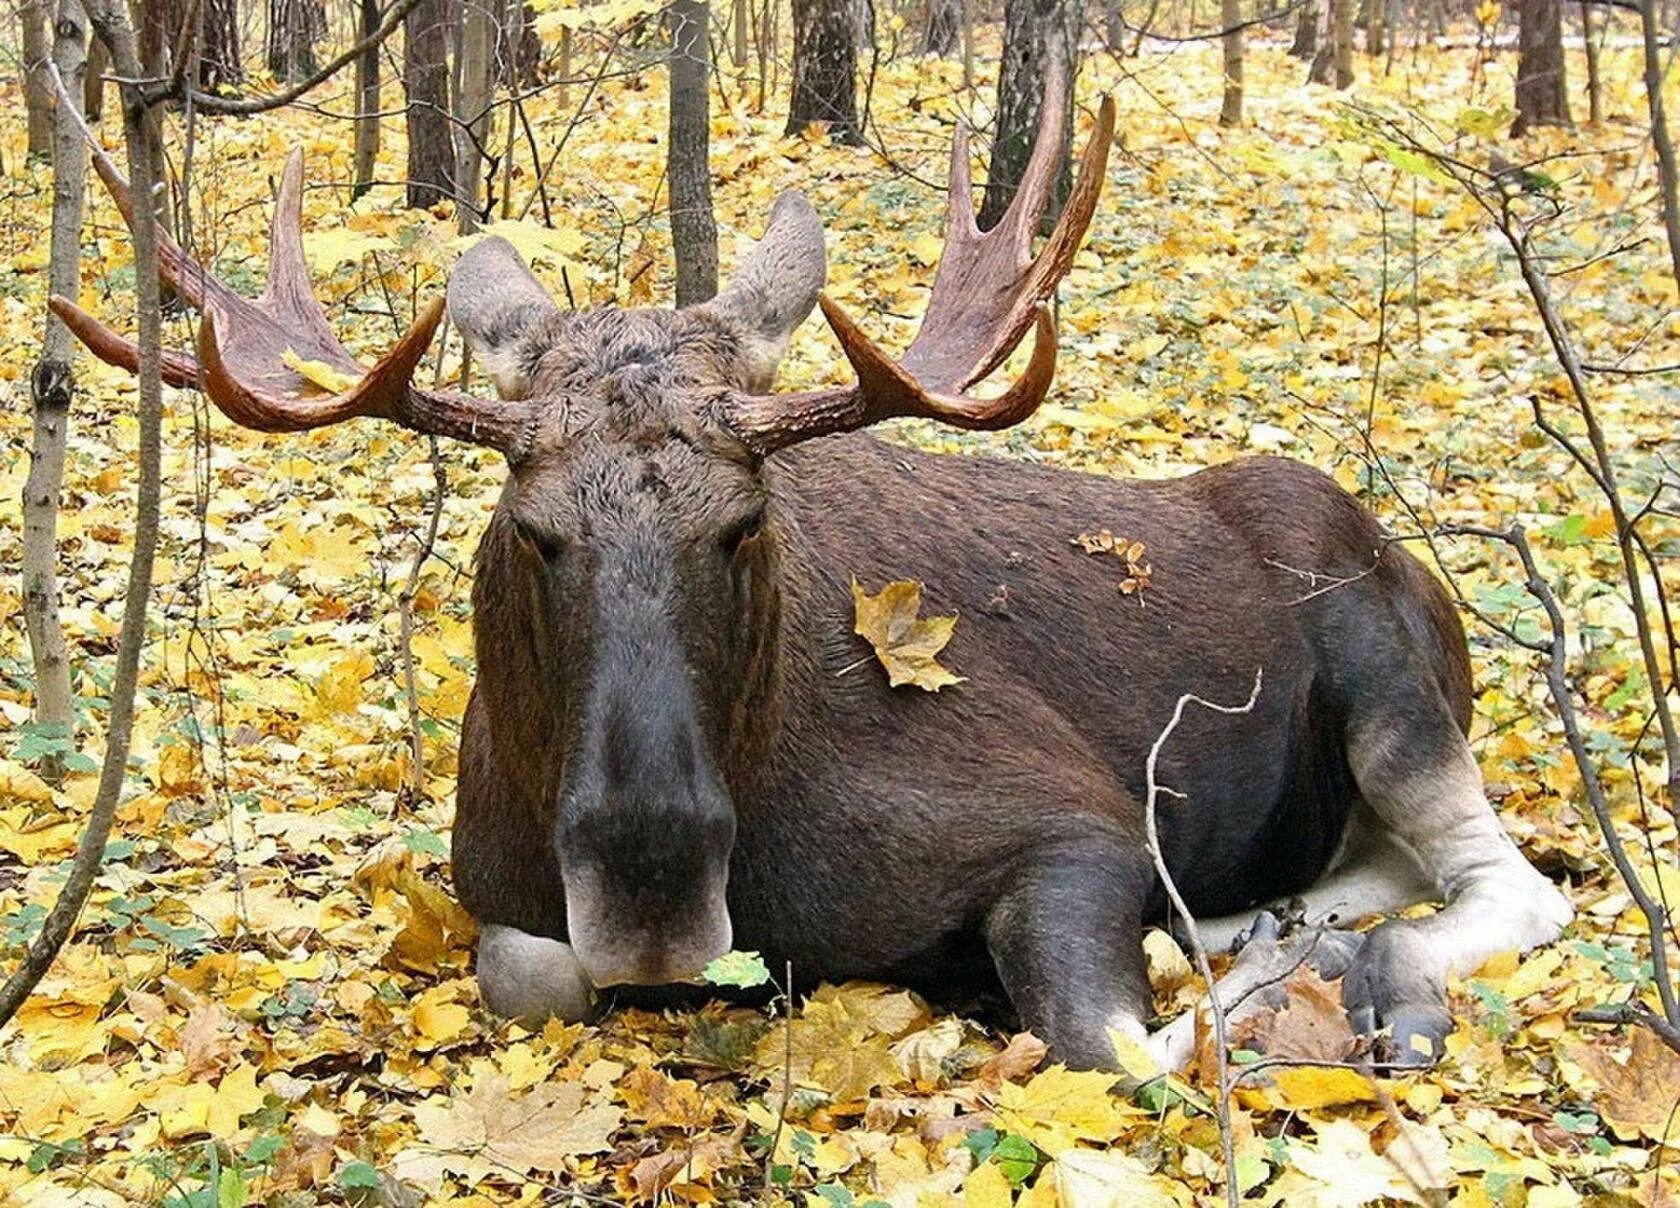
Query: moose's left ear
x=776, y=287
x=503, y=311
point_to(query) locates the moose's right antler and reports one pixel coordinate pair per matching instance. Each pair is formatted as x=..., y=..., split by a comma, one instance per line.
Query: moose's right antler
x=244, y=344
x=987, y=290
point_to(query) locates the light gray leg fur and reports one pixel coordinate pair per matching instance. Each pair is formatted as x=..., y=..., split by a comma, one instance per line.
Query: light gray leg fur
x=531, y=978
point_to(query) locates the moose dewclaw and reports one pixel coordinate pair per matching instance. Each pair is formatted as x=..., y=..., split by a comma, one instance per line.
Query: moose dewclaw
x=660, y=760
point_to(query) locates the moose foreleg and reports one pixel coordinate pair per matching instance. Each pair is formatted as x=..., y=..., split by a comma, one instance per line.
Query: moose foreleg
x=1067, y=941
x=531, y=978
x=1421, y=780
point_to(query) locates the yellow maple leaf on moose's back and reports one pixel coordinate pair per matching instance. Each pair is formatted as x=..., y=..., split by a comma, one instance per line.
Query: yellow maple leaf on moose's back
x=906, y=644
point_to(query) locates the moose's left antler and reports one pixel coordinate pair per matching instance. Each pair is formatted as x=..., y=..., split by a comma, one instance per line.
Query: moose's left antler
x=987, y=290
x=244, y=344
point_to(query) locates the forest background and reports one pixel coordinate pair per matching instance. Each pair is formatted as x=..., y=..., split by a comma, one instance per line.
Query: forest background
x=1422, y=246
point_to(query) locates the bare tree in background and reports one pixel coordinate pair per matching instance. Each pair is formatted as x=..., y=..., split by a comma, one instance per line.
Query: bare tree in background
x=1542, y=93
x=943, y=32
x=1333, y=61
x=366, y=152
x=293, y=26
x=475, y=62
x=36, y=16
x=1230, y=18
x=694, y=237
x=219, y=64
x=431, y=151
x=1305, y=45
x=1039, y=37
x=825, y=69
x=51, y=385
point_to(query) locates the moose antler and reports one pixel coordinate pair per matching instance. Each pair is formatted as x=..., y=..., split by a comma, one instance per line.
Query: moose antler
x=244, y=345
x=987, y=290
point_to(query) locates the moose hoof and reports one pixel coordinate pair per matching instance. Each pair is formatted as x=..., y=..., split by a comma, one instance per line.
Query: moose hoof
x=1265, y=929
x=531, y=978
x=1389, y=989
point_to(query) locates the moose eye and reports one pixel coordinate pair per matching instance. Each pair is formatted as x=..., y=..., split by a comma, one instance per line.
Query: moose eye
x=742, y=531
x=548, y=546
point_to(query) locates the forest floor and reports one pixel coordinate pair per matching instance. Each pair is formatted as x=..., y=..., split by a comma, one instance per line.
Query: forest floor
x=269, y=995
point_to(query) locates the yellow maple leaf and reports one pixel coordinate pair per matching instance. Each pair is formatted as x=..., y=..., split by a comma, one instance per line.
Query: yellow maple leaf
x=1061, y=1107
x=907, y=645
x=1302, y=1088
x=324, y=377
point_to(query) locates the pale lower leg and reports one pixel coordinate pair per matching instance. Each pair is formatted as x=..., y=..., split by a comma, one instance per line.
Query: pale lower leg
x=531, y=978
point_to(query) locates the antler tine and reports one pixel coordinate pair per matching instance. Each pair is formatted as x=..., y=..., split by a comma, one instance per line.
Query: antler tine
x=961, y=225
x=1021, y=218
x=247, y=348
x=987, y=285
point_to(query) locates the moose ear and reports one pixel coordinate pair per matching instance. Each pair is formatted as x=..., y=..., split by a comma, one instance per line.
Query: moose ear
x=503, y=311
x=776, y=287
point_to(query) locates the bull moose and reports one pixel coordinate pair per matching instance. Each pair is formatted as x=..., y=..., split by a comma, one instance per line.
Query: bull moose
x=670, y=749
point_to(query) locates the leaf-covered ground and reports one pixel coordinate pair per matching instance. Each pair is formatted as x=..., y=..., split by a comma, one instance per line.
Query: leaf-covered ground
x=269, y=996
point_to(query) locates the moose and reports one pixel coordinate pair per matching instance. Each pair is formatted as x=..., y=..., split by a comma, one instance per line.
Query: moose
x=672, y=750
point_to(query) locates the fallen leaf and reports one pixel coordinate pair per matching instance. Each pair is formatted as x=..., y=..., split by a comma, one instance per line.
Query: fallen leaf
x=905, y=644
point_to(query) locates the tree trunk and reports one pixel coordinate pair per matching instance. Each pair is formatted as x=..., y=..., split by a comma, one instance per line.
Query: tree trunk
x=694, y=237
x=825, y=69
x=943, y=32
x=1376, y=27
x=1114, y=26
x=1341, y=37
x=1230, y=17
x=93, y=83
x=476, y=61
x=1595, y=86
x=1668, y=172
x=290, y=49
x=366, y=154
x=1542, y=95
x=739, y=18
x=37, y=82
x=1039, y=36
x=219, y=64
x=1305, y=45
x=431, y=154
x=50, y=389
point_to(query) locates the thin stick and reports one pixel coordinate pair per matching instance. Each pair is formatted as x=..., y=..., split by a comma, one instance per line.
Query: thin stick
x=1227, y=1143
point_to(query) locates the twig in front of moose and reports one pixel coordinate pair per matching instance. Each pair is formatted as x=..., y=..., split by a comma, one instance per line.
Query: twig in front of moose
x=110, y=21
x=1153, y=792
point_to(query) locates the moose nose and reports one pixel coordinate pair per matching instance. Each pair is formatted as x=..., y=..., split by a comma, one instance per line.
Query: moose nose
x=657, y=964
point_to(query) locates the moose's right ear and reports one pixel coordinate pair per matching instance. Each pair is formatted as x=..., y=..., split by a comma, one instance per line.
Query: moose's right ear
x=776, y=287
x=503, y=311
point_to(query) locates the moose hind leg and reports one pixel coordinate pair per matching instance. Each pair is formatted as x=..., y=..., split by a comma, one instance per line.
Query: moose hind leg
x=1420, y=778
x=1067, y=940
x=531, y=978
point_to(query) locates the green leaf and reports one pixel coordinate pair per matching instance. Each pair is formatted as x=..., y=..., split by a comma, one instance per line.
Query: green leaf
x=742, y=969
x=1017, y=1158
x=231, y=1189
x=836, y=1195
x=357, y=1174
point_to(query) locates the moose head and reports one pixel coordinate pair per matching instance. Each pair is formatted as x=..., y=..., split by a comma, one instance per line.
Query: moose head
x=627, y=597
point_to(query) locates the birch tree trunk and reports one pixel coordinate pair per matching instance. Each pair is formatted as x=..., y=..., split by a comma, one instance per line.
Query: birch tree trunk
x=36, y=16
x=477, y=61
x=50, y=390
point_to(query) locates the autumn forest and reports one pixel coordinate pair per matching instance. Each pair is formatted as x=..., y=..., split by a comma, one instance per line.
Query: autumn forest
x=251, y=953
